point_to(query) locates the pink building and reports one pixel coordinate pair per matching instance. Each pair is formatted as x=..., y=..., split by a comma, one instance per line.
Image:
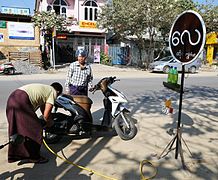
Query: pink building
x=82, y=28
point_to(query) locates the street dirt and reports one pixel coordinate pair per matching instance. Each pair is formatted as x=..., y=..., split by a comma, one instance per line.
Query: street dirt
x=109, y=157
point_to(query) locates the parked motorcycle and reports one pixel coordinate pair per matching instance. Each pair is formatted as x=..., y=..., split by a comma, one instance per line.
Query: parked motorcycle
x=7, y=68
x=79, y=120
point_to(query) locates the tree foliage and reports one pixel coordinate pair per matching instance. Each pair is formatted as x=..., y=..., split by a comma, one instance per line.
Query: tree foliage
x=47, y=20
x=151, y=17
x=209, y=13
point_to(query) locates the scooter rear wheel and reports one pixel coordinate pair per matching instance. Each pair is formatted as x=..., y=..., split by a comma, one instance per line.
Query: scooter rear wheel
x=51, y=138
x=125, y=132
x=9, y=71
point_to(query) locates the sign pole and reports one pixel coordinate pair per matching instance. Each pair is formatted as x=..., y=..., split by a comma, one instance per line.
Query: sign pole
x=53, y=45
x=186, y=41
x=178, y=142
x=53, y=52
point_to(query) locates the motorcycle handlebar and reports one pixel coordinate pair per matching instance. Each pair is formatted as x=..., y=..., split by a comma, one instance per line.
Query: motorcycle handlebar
x=97, y=86
x=93, y=89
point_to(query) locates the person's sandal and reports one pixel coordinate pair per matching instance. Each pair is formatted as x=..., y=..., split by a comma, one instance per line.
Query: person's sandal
x=41, y=160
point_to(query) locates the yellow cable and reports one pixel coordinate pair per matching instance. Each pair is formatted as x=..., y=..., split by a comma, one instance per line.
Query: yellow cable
x=102, y=175
x=81, y=167
x=141, y=170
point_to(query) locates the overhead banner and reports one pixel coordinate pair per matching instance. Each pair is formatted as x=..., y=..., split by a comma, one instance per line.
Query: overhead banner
x=187, y=37
x=23, y=31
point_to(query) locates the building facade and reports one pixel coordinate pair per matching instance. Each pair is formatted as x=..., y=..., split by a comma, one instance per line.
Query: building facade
x=82, y=31
x=17, y=34
x=212, y=47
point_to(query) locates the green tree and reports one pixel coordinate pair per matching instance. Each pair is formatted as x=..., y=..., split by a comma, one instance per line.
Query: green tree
x=144, y=20
x=209, y=13
x=47, y=21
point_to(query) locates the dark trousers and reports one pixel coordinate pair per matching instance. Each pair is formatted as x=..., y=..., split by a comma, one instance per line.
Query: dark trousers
x=78, y=90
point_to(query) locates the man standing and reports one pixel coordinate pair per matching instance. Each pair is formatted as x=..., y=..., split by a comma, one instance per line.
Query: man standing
x=22, y=119
x=79, y=76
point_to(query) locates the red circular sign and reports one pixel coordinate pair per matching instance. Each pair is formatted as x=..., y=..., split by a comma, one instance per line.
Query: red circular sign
x=187, y=37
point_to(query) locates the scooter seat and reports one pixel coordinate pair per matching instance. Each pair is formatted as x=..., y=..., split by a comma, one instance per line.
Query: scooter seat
x=79, y=98
x=82, y=99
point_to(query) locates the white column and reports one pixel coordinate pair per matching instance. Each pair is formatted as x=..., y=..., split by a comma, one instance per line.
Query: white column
x=44, y=5
x=76, y=10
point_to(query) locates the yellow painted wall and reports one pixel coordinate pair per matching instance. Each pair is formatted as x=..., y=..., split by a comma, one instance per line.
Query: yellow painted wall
x=210, y=50
x=212, y=38
x=211, y=42
x=17, y=44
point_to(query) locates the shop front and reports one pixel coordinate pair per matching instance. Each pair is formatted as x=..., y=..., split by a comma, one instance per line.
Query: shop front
x=66, y=45
x=212, y=47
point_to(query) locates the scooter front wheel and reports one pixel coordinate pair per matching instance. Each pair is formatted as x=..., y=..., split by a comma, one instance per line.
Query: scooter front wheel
x=125, y=126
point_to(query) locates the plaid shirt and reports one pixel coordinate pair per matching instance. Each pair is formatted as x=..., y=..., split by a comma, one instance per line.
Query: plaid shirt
x=79, y=77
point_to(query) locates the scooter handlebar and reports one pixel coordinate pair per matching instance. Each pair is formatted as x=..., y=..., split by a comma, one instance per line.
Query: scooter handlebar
x=110, y=80
x=114, y=79
x=93, y=89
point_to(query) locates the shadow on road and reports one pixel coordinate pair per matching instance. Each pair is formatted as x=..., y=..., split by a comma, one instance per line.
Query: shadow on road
x=199, y=121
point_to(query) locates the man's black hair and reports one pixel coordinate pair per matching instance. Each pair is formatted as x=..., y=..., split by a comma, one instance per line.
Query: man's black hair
x=58, y=87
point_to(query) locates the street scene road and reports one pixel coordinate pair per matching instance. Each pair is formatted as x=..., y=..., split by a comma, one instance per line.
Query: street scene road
x=108, y=154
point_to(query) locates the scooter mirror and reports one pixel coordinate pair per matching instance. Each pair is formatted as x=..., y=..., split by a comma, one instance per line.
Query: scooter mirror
x=16, y=139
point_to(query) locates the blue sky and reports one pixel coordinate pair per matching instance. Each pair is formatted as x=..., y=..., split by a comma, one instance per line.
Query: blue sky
x=31, y=3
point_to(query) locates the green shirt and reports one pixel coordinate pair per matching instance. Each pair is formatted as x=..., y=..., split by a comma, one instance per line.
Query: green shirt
x=40, y=94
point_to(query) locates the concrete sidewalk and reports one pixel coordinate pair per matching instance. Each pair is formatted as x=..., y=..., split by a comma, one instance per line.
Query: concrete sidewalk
x=109, y=155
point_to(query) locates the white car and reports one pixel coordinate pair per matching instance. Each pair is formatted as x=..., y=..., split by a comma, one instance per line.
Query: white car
x=164, y=64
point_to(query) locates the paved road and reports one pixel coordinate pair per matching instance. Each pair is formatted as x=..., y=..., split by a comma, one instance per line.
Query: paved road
x=113, y=157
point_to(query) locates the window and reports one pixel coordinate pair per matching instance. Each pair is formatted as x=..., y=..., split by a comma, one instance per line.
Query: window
x=86, y=13
x=60, y=7
x=49, y=8
x=90, y=10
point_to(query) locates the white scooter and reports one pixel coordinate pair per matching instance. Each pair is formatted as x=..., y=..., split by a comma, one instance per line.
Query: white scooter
x=79, y=119
x=7, y=68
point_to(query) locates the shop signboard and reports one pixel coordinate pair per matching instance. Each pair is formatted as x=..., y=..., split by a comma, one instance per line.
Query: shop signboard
x=15, y=10
x=87, y=24
x=3, y=24
x=22, y=31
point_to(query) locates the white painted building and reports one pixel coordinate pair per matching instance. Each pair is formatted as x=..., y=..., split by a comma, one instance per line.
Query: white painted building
x=83, y=31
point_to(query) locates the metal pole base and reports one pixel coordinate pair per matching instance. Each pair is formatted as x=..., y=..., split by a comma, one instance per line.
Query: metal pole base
x=178, y=139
